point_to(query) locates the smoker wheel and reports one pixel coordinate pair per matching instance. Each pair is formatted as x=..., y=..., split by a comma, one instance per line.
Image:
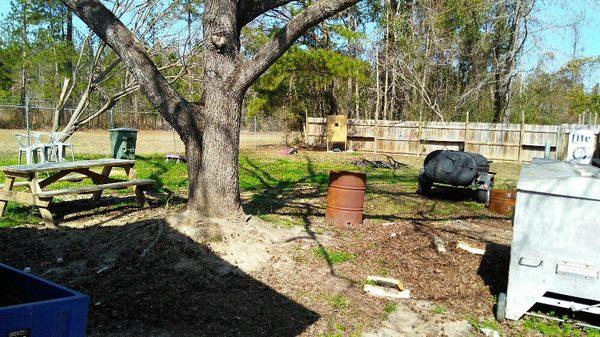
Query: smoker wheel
x=424, y=188
x=483, y=196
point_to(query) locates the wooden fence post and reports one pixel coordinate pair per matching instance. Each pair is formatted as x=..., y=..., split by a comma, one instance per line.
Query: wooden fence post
x=420, y=133
x=376, y=135
x=521, y=134
x=558, y=142
x=306, y=127
x=561, y=147
x=466, y=142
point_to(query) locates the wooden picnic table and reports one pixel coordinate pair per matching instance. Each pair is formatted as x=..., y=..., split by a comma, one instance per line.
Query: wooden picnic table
x=32, y=190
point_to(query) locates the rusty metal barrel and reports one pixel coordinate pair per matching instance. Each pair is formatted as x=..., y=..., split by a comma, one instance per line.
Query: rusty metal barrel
x=502, y=201
x=346, y=197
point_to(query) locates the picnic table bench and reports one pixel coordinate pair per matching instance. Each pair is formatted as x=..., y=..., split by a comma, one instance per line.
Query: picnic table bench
x=34, y=190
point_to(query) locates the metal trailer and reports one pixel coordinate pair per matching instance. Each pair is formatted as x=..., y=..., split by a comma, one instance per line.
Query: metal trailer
x=555, y=252
x=458, y=169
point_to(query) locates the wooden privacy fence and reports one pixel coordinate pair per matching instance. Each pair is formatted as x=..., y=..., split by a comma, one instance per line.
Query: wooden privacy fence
x=510, y=142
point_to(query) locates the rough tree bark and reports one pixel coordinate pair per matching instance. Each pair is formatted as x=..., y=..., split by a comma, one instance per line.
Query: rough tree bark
x=210, y=129
x=69, y=40
x=25, y=46
x=507, y=49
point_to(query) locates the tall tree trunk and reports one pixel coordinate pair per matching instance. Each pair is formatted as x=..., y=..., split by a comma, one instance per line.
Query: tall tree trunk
x=357, y=99
x=387, y=57
x=213, y=173
x=69, y=40
x=393, y=98
x=377, y=86
x=332, y=100
x=508, y=45
x=25, y=46
x=499, y=101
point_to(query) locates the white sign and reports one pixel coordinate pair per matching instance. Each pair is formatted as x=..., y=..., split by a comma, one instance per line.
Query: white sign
x=581, y=147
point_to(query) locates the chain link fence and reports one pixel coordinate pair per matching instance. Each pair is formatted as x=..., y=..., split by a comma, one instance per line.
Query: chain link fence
x=155, y=135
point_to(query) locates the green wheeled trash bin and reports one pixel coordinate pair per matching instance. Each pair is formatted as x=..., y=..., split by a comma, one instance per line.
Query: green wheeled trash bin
x=122, y=143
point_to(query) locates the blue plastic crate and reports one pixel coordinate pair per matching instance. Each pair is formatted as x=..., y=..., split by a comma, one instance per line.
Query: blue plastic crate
x=33, y=307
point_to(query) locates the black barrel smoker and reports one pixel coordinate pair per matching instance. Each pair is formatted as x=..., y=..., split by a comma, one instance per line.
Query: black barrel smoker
x=459, y=169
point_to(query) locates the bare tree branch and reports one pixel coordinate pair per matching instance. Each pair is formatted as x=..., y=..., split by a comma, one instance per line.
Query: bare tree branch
x=112, y=31
x=252, y=9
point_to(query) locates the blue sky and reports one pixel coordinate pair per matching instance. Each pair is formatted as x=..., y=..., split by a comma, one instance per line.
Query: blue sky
x=550, y=33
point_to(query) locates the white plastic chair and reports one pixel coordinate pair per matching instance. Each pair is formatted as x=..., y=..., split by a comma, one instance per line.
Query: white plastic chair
x=61, y=147
x=33, y=147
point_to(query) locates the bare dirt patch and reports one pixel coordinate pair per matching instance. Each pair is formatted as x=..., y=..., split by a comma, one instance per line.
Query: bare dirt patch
x=420, y=318
x=146, y=279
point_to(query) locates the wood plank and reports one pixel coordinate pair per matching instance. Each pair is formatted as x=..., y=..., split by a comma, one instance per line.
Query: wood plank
x=34, y=186
x=96, y=188
x=495, y=141
x=54, y=178
x=28, y=169
x=83, y=173
x=27, y=198
x=98, y=178
x=47, y=217
x=73, y=178
x=17, y=184
x=102, y=179
x=139, y=192
x=8, y=185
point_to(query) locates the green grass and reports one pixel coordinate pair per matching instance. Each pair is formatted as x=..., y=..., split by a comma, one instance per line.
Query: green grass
x=332, y=256
x=338, y=301
x=551, y=328
x=16, y=214
x=336, y=331
x=276, y=185
x=289, y=191
x=486, y=323
x=438, y=309
x=281, y=221
x=390, y=307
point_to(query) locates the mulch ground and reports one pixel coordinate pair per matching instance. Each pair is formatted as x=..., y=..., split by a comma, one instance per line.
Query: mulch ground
x=461, y=283
x=458, y=280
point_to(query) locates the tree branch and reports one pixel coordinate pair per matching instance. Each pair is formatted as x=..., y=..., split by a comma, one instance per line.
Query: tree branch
x=251, y=70
x=250, y=10
x=112, y=31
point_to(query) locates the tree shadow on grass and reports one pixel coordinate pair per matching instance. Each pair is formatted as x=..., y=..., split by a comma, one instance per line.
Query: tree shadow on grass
x=146, y=279
x=164, y=190
x=290, y=195
x=295, y=198
x=276, y=194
